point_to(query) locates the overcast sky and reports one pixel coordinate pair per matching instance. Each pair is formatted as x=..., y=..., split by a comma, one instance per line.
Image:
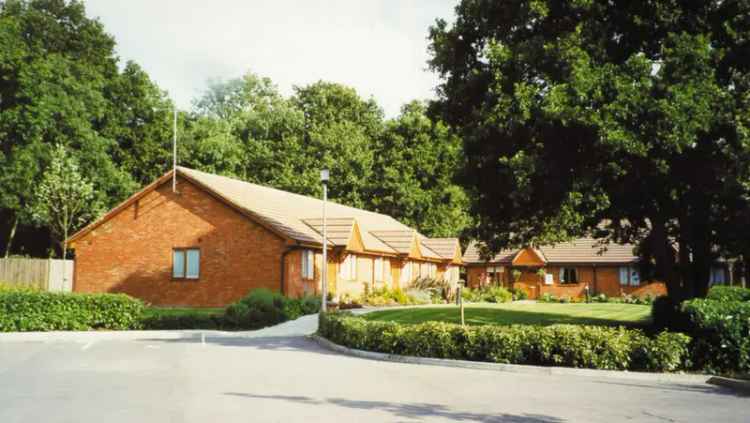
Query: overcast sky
x=377, y=47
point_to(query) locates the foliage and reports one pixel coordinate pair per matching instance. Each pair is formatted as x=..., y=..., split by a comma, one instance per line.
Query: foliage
x=721, y=335
x=61, y=84
x=728, y=293
x=263, y=307
x=561, y=345
x=438, y=289
x=519, y=294
x=27, y=310
x=385, y=296
x=175, y=319
x=489, y=294
x=64, y=198
x=568, y=123
x=647, y=299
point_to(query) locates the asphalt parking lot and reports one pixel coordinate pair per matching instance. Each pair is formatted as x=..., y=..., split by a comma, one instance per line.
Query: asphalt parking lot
x=279, y=375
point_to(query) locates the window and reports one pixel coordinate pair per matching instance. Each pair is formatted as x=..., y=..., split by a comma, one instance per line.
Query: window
x=630, y=276
x=717, y=276
x=433, y=270
x=568, y=275
x=495, y=273
x=406, y=273
x=186, y=263
x=308, y=260
x=349, y=268
x=379, y=269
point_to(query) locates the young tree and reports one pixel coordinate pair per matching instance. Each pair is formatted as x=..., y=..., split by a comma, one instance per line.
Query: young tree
x=64, y=198
x=632, y=113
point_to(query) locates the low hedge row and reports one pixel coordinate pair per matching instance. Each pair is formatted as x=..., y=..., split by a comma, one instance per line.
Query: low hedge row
x=26, y=310
x=561, y=345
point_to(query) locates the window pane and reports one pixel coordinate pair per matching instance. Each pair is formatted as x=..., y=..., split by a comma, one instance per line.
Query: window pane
x=178, y=264
x=635, y=276
x=193, y=264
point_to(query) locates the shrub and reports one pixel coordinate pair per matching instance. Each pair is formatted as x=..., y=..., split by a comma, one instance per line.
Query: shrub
x=187, y=319
x=28, y=310
x=728, y=293
x=263, y=307
x=489, y=294
x=439, y=289
x=384, y=296
x=548, y=298
x=519, y=294
x=721, y=335
x=561, y=345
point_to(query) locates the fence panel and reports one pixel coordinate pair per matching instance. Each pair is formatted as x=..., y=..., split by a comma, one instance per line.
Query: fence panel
x=44, y=274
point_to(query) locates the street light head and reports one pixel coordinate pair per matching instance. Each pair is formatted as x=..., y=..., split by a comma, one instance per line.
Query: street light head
x=324, y=175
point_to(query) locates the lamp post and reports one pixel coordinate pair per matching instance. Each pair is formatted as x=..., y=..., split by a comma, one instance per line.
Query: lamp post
x=324, y=280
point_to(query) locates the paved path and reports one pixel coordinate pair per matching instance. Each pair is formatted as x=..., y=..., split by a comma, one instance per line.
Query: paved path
x=278, y=375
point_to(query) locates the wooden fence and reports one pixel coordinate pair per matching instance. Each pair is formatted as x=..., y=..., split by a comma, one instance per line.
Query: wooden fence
x=44, y=274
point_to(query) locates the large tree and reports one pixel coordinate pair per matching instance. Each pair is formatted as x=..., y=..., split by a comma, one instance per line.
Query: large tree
x=60, y=84
x=631, y=113
x=415, y=162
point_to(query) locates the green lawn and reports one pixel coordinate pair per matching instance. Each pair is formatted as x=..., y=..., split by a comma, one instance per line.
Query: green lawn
x=523, y=313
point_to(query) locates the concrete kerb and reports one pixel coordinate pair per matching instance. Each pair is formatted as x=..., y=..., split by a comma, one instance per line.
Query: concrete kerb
x=674, y=378
x=133, y=335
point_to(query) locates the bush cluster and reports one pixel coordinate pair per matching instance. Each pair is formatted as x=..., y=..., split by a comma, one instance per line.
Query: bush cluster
x=561, y=345
x=263, y=307
x=728, y=293
x=721, y=334
x=488, y=294
x=23, y=310
x=385, y=296
x=439, y=289
x=188, y=319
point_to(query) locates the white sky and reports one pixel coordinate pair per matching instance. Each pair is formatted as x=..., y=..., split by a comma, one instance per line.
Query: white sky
x=377, y=47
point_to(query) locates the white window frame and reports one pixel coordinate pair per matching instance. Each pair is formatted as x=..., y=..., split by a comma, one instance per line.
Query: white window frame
x=562, y=276
x=378, y=269
x=630, y=276
x=406, y=272
x=188, y=256
x=308, y=264
x=349, y=268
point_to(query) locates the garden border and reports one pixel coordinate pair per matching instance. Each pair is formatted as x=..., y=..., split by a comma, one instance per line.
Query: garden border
x=683, y=378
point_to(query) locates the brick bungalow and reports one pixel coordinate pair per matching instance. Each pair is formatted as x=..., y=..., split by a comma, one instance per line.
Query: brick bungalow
x=563, y=270
x=216, y=238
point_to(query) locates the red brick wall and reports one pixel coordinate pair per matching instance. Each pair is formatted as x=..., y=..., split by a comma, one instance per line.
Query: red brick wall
x=607, y=282
x=132, y=251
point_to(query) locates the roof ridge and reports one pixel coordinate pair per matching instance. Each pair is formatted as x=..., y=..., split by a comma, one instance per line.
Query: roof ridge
x=266, y=187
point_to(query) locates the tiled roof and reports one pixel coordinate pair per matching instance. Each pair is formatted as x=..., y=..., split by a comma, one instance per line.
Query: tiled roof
x=580, y=250
x=294, y=215
x=445, y=247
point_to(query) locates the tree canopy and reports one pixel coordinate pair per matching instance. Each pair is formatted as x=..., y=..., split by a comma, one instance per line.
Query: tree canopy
x=61, y=83
x=625, y=119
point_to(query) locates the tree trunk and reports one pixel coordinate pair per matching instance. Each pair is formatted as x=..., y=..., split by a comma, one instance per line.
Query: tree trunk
x=11, y=236
x=665, y=261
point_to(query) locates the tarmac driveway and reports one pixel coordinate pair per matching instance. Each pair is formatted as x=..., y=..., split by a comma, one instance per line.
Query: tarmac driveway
x=279, y=375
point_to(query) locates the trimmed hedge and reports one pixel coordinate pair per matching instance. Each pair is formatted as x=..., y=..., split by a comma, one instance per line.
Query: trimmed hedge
x=728, y=293
x=721, y=335
x=26, y=310
x=263, y=307
x=592, y=347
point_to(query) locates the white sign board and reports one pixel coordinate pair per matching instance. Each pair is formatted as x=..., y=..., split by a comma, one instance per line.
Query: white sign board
x=548, y=280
